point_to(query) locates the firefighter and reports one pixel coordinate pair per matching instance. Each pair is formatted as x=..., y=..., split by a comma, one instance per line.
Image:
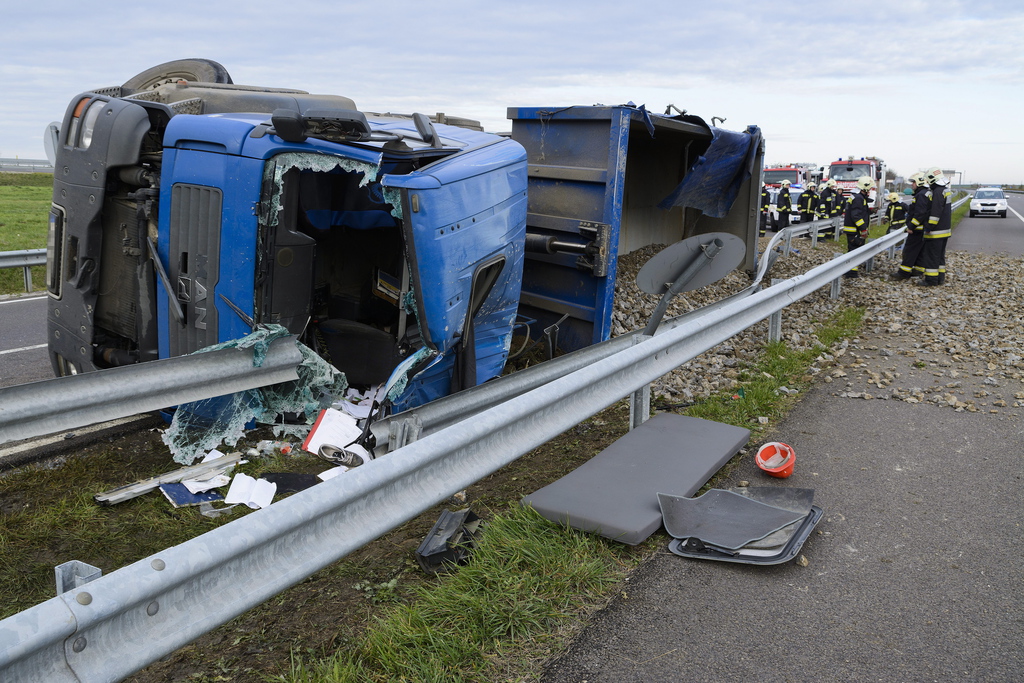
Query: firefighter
x=895, y=213
x=808, y=203
x=827, y=205
x=917, y=216
x=937, y=230
x=783, y=205
x=766, y=201
x=856, y=219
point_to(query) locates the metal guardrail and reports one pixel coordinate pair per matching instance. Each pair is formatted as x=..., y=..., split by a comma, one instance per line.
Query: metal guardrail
x=65, y=403
x=25, y=166
x=26, y=258
x=115, y=625
x=397, y=430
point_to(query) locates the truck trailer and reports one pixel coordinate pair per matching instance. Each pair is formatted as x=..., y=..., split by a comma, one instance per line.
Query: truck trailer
x=188, y=210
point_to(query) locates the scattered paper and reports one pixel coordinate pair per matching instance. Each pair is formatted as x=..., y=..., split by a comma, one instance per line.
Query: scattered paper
x=333, y=472
x=358, y=411
x=255, y=493
x=212, y=455
x=332, y=427
x=198, y=486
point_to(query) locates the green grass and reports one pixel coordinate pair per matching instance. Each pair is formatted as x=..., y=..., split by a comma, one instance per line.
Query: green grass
x=35, y=537
x=529, y=576
x=524, y=580
x=778, y=366
x=525, y=587
x=24, y=211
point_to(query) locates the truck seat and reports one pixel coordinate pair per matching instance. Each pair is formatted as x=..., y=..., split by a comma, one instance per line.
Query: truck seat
x=364, y=353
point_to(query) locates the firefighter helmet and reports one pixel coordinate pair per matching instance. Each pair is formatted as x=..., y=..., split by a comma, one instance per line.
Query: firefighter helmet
x=784, y=182
x=893, y=197
x=917, y=178
x=934, y=175
x=811, y=186
x=865, y=183
x=831, y=183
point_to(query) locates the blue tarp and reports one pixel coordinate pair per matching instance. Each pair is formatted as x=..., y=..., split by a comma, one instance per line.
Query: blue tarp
x=714, y=180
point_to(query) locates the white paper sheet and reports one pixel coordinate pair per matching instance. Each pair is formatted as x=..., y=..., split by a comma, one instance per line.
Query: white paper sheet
x=256, y=493
x=332, y=427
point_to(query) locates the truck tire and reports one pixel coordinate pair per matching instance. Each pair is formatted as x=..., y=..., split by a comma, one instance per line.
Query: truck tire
x=196, y=70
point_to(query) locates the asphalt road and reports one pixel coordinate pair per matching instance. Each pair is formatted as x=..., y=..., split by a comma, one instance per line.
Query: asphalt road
x=991, y=234
x=23, y=355
x=914, y=572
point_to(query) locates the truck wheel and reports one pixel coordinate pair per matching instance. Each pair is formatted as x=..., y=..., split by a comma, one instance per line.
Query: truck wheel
x=197, y=70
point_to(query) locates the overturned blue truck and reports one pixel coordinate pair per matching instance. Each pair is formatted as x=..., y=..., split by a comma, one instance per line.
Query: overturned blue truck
x=188, y=210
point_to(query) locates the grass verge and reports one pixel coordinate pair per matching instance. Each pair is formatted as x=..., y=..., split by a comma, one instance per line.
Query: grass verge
x=529, y=577
x=24, y=215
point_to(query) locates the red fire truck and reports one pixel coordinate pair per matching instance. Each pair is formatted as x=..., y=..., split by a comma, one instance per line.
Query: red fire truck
x=798, y=176
x=847, y=171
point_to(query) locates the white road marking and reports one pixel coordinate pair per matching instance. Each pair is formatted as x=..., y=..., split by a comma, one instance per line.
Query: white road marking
x=24, y=348
x=37, y=298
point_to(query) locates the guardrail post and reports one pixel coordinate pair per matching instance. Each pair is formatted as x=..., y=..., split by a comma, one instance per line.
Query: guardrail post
x=639, y=400
x=836, y=288
x=787, y=243
x=814, y=237
x=28, y=278
x=404, y=432
x=775, y=319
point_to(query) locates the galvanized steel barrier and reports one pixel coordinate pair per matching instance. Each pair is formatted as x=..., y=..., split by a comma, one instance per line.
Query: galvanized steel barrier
x=15, y=165
x=26, y=258
x=65, y=403
x=119, y=623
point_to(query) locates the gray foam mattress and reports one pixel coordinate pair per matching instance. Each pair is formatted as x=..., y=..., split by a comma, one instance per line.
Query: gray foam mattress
x=615, y=493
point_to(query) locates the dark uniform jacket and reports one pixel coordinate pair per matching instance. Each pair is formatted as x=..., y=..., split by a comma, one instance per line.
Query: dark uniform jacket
x=896, y=212
x=940, y=213
x=808, y=202
x=857, y=214
x=917, y=214
x=782, y=202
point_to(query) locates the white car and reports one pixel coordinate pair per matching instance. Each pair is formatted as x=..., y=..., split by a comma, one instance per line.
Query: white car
x=988, y=201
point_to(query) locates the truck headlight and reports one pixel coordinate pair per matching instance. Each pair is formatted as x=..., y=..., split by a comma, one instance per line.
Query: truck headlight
x=89, y=123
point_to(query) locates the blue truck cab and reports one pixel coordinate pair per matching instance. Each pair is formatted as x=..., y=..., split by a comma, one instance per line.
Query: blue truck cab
x=187, y=213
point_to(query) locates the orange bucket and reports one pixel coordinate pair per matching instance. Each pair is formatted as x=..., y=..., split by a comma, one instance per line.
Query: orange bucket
x=776, y=458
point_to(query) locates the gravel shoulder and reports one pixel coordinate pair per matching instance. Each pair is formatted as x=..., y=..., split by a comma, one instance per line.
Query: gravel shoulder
x=913, y=441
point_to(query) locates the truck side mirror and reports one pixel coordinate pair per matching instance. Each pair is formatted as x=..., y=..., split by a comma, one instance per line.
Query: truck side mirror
x=288, y=125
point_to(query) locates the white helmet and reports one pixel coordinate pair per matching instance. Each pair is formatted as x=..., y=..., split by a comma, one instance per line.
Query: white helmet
x=830, y=183
x=811, y=186
x=934, y=175
x=917, y=178
x=785, y=182
x=865, y=183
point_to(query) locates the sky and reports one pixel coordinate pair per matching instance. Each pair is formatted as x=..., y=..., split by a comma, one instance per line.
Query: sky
x=919, y=84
